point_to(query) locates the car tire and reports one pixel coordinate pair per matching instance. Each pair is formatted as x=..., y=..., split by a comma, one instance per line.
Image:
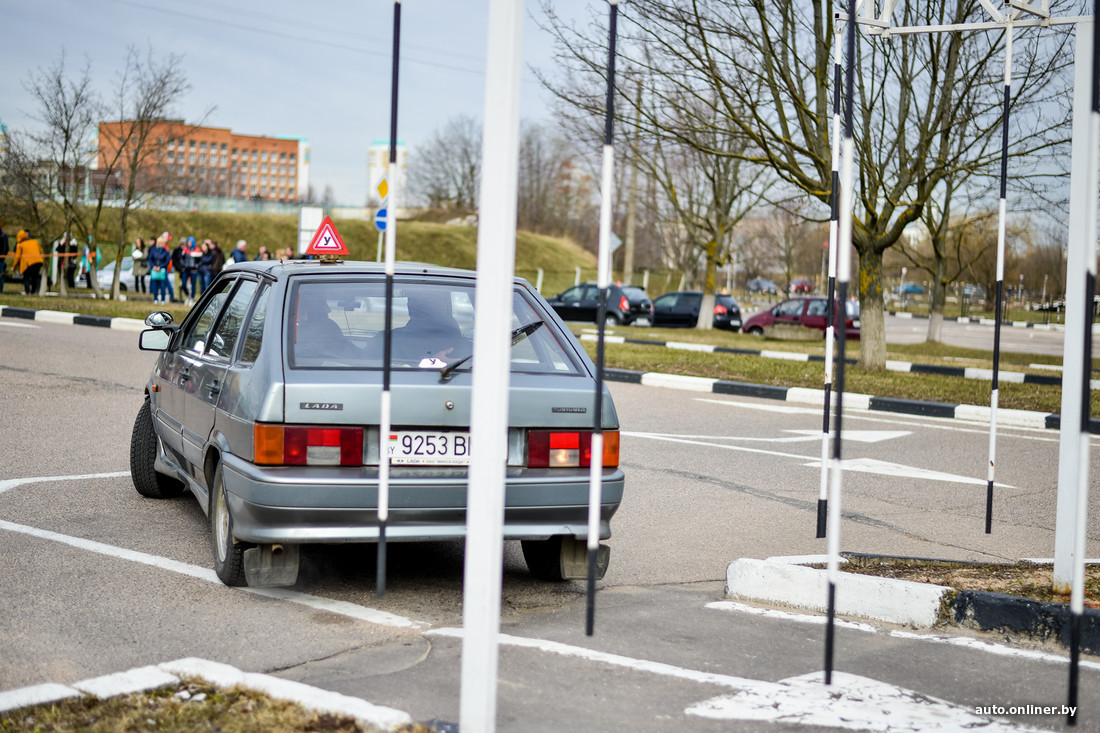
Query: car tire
x=143, y=455
x=756, y=331
x=228, y=552
x=544, y=558
x=611, y=320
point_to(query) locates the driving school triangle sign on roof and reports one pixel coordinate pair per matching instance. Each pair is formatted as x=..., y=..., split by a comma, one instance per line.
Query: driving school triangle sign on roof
x=326, y=241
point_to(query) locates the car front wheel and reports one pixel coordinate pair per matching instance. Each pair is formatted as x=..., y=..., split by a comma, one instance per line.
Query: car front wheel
x=228, y=552
x=143, y=455
x=756, y=331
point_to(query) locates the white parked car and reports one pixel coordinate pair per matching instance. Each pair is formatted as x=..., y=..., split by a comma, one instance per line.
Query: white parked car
x=127, y=282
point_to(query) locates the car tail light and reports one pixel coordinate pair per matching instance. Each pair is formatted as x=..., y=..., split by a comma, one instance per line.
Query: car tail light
x=624, y=304
x=569, y=448
x=302, y=445
x=719, y=310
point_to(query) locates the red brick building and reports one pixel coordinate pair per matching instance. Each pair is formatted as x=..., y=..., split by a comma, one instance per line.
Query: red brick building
x=214, y=161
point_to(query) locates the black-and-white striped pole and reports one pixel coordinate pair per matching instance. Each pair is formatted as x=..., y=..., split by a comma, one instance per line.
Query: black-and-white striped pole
x=1001, y=225
x=387, y=341
x=830, y=319
x=844, y=276
x=603, y=282
x=1077, y=592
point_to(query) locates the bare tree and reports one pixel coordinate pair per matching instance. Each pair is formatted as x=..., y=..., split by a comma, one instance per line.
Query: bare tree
x=446, y=171
x=145, y=93
x=764, y=69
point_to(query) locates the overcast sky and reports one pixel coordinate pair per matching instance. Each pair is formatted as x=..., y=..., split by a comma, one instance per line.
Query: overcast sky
x=276, y=67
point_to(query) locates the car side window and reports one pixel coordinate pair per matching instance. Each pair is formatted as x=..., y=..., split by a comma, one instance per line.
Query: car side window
x=591, y=292
x=254, y=333
x=789, y=308
x=228, y=329
x=573, y=294
x=816, y=308
x=692, y=300
x=665, y=301
x=195, y=339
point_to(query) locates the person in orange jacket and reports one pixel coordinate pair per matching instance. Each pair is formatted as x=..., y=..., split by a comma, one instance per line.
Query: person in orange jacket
x=28, y=261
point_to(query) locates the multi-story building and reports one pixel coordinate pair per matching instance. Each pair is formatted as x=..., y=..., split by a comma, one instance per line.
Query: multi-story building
x=213, y=161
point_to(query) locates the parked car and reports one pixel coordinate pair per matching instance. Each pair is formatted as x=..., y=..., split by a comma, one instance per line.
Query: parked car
x=801, y=286
x=625, y=304
x=264, y=403
x=106, y=275
x=806, y=312
x=763, y=285
x=973, y=291
x=909, y=289
x=681, y=310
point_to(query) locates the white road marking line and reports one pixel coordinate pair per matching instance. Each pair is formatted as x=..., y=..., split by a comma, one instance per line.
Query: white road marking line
x=11, y=483
x=986, y=646
x=362, y=613
x=801, y=618
x=18, y=325
x=852, y=702
x=801, y=436
x=860, y=436
x=862, y=465
x=923, y=421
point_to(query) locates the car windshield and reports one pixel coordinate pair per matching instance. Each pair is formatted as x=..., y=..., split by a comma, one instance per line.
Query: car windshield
x=634, y=294
x=341, y=325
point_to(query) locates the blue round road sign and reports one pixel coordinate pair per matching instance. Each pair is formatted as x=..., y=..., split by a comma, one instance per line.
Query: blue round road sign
x=380, y=220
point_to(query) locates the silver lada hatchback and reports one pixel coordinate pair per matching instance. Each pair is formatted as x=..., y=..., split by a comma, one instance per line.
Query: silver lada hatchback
x=265, y=405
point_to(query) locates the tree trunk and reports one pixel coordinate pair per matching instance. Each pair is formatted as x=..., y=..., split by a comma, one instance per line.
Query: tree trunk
x=938, y=299
x=872, y=315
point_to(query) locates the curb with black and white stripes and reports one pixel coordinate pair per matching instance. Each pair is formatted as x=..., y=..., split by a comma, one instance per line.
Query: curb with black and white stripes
x=77, y=319
x=816, y=397
x=891, y=365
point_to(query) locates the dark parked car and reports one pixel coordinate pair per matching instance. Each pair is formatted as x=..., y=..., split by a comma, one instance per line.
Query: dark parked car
x=625, y=304
x=806, y=312
x=763, y=285
x=681, y=310
x=265, y=405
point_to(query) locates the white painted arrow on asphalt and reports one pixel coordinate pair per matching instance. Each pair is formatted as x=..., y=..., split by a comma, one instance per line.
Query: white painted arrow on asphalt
x=886, y=468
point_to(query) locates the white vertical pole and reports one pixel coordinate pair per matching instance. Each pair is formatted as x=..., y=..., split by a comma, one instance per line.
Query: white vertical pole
x=1082, y=204
x=823, y=494
x=844, y=275
x=1088, y=245
x=496, y=254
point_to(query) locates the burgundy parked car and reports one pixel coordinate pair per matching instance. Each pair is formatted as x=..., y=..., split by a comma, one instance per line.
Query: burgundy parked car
x=806, y=312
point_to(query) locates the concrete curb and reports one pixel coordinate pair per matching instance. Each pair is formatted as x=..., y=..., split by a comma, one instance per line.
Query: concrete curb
x=48, y=316
x=816, y=397
x=141, y=679
x=785, y=581
x=882, y=599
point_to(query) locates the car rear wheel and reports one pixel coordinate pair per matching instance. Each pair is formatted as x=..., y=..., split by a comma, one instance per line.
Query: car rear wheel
x=544, y=558
x=228, y=552
x=143, y=456
x=612, y=320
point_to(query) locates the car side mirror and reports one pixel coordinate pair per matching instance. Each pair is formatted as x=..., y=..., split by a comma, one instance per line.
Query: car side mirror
x=159, y=319
x=154, y=339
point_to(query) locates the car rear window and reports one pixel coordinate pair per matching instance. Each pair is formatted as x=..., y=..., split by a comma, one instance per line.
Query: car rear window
x=634, y=293
x=340, y=324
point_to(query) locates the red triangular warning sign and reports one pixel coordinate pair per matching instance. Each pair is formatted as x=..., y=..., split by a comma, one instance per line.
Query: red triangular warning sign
x=327, y=241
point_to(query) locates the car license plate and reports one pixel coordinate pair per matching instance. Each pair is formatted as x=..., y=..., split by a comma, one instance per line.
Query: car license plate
x=417, y=447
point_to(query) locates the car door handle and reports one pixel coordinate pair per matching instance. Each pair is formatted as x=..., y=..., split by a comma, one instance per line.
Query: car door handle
x=185, y=376
x=215, y=389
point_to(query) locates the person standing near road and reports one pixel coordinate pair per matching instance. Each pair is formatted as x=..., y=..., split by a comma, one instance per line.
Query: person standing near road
x=28, y=260
x=177, y=267
x=206, y=261
x=160, y=259
x=218, y=261
x=263, y=254
x=141, y=265
x=239, y=253
x=189, y=270
x=3, y=256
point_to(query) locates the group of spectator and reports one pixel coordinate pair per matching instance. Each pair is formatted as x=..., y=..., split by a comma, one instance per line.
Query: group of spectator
x=195, y=264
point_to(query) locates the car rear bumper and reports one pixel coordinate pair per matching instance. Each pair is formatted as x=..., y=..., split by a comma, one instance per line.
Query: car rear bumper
x=296, y=505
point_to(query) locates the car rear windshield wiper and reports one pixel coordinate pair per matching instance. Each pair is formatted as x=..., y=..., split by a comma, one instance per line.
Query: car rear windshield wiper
x=517, y=335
